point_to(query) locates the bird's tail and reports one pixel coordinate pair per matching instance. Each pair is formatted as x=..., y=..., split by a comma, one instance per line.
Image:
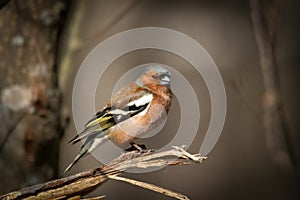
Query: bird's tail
x=90, y=144
x=82, y=152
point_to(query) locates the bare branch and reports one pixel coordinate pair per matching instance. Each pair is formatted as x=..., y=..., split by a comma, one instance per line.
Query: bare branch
x=277, y=133
x=150, y=187
x=85, y=182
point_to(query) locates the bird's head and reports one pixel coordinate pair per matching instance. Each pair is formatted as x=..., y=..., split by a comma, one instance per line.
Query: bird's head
x=155, y=75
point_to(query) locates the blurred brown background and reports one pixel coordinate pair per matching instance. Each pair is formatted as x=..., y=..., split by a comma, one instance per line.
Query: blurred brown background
x=240, y=166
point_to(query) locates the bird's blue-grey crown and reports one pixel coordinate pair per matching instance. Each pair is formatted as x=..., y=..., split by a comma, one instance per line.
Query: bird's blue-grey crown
x=162, y=75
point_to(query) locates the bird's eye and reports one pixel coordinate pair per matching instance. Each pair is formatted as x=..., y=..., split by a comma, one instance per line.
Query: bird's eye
x=154, y=76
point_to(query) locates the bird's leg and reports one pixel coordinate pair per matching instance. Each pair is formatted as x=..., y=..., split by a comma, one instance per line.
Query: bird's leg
x=136, y=147
x=140, y=147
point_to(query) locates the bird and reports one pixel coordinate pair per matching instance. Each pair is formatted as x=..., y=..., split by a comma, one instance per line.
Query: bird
x=133, y=111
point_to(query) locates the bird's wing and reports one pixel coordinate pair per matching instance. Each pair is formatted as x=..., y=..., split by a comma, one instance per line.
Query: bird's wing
x=126, y=103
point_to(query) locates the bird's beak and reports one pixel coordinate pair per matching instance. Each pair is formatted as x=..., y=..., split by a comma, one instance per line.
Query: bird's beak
x=165, y=80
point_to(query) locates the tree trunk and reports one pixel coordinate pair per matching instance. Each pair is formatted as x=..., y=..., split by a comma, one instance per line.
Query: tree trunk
x=30, y=114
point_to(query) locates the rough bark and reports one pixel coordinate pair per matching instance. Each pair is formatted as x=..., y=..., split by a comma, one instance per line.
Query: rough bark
x=30, y=100
x=78, y=185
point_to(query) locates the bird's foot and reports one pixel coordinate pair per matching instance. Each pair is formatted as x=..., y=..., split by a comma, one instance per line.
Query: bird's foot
x=136, y=147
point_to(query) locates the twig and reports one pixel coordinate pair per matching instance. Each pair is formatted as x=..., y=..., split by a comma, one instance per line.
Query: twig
x=149, y=186
x=146, y=159
x=85, y=182
x=11, y=130
x=274, y=120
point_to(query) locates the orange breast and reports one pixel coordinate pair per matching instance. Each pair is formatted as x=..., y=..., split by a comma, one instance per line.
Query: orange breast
x=124, y=133
x=120, y=138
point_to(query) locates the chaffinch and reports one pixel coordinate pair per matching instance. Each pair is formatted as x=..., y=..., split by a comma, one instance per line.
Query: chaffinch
x=133, y=111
